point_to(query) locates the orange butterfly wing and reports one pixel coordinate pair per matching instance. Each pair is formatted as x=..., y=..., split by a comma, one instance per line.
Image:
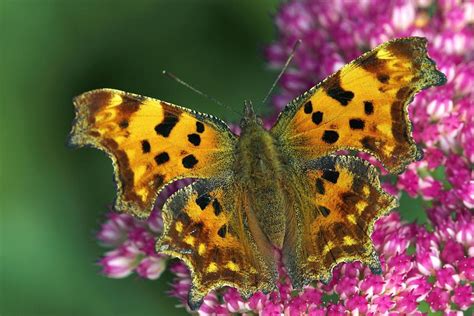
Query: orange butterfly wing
x=339, y=202
x=151, y=143
x=206, y=224
x=363, y=106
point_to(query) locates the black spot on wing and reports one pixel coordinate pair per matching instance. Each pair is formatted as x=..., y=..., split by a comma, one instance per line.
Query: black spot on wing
x=146, y=147
x=383, y=78
x=317, y=117
x=123, y=124
x=194, y=139
x=368, y=107
x=324, y=210
x=356, y=124
x=199, y=127
x=217, y=207
x=320, y=186
x=331, y=175
x=308, y=107
x=189, y=161
x=330, y=137
x=222, y=231
x=340, y=95
x=203, y=201
x=162, y=158
x=166, y=126
x=333, y=88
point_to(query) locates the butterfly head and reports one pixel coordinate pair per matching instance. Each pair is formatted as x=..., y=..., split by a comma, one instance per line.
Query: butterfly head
x=250, y=118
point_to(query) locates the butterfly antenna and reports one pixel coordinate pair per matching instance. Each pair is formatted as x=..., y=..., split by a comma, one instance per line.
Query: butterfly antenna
x=288, y=61
x=187, y=85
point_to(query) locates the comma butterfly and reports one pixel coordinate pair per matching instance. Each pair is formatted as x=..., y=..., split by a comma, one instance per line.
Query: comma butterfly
x=283, y=188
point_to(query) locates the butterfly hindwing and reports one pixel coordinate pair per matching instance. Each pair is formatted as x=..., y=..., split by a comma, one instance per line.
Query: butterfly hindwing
x=363, y=106
x=206, y=226
x=151, y=142
x=341, y=201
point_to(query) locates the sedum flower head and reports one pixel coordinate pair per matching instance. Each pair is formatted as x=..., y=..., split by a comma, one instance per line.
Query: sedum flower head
x=133, y=243
x=419, y=266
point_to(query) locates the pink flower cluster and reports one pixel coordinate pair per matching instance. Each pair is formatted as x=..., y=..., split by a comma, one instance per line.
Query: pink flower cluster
x=425, y=268
x=433, y=266
x=133, y=242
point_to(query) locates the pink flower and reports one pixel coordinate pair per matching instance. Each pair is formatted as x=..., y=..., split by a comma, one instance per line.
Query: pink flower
x=438, y=299
x=151, y=267
x=357, y=303
x=463, y=296
x=406, y=302
x=430, y=188
x=466, y=193
x=121, y=262
x=466, y=268
x=408, y=182
x=439, y=107
x=428, y=262
x=446, y=277
x=419, y=286
x=114, y=231
x=434, y=157
x=134, y=243
x=382, y=304
x=452, y=251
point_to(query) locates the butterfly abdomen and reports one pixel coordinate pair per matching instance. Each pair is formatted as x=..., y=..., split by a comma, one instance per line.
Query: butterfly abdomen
x=258, y=166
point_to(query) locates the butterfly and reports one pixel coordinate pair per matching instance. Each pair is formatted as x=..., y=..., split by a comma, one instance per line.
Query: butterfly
x=287, y=188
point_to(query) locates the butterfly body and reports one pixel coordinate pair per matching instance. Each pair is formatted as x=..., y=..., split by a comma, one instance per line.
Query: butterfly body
x=260, y=170
x=284, y=188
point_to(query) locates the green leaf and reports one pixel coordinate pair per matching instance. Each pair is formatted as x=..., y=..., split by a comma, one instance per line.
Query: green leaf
x=330, y=298
x=412, y=209
x=424, y=307
x=411, y=249
x=432, y=279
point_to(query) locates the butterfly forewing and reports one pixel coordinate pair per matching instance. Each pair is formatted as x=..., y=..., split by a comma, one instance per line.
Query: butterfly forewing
x=363, y=106
x=151, y=142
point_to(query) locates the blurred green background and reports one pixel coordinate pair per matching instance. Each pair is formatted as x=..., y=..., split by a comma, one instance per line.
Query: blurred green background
x=53, y=198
